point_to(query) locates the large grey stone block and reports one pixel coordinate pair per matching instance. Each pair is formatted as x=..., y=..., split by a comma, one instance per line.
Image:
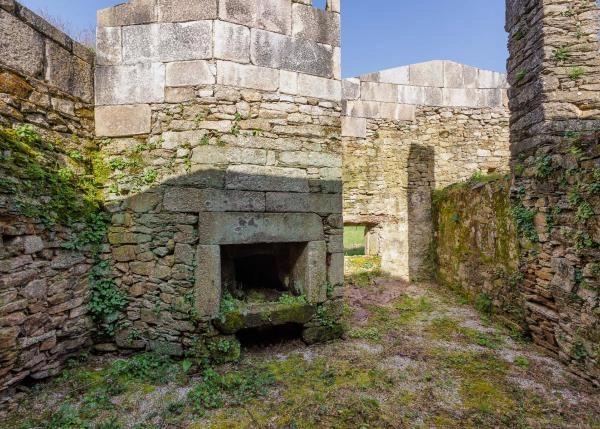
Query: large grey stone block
x=186, y=10
x=271, y=15
x=316, y=24
x=189, y=73
x=465, y=97
x=288, y=82
x=397, y=75
x=283, y=52
x=409, y=94
x=312, y=268
x=397, y=112
x=109, y=49
x=319, y=87
x=298, y=158
x=351, y=89
x=281, y=202
x=265, y=178
x=247, y=76
x=371, y=91
x=231, y=42
x=21, y=47
x=427, y=74
x=354, y=127
x=132, y=13
x=335, y=269
x=194, y=200
x=59, y=67
x=219, y=155
x=207, y=288
x=130, y=84
x=116, y=121
x=247, y=228
x=167, y=42
x=453, y=75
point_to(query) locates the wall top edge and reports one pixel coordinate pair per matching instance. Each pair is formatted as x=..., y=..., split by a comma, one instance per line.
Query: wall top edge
x=48, y=30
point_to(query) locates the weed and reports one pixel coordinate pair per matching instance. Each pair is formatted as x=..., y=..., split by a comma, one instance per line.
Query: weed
x=575, y=73
x=147, y=367
x=543, y=167
x=292, y=300
x=484, y=303
x=561, y=54
x=524, y=220
x=521, y=75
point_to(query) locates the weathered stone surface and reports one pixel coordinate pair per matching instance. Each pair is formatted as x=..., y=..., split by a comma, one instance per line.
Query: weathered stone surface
x=109, y=45
x=335, y=269
x=303, y=203
x=271, y=15
x=114, y=121
x=131, y=13
x=232, y=42
x=130, y=84
x=354, y=127
x=21, y=46
x=261, y=178
x=268, y=314
x=244, y=228
x=318, y=87
x=427, y=74
x=208, y=280
x=313, y=268
x=167, y=42
x=189, y=73
x=284, y=52
x=311, y=23
x=247, y=76
x=213, y=200
x=186, y=10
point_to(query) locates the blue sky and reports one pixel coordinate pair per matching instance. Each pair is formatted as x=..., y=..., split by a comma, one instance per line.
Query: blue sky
x=378, y=34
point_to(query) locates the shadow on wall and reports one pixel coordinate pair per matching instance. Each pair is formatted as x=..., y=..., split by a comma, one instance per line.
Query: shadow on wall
x=421, y=183
x=175, y=248
x=178, y=247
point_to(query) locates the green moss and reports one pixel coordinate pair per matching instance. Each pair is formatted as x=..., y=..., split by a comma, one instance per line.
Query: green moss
x=43, y=181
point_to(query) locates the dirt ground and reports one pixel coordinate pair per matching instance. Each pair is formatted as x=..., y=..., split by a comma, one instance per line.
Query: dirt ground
x=414, y=356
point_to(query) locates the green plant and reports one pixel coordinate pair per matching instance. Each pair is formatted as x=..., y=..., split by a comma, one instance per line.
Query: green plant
x=578, y=351
x=522, y=361
x=561, y=54
x=205, y=140
x=148, y=367
x=149, y=176
x=584, y=211
x=575, y=73
x=67, y=417
x=28, y=134
x=292, y=300
x=523, y=218
x=484, y=303
x=543, y=167
x=521, y=75
x=106, y=300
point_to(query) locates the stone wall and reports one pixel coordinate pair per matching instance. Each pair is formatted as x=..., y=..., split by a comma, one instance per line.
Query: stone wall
x=410, y=130
x=223, y=129
x=554, y=71
x=476, y=247
x=46, y=112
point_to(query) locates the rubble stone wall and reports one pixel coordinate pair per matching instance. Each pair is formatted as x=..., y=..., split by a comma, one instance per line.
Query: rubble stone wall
x=219, y=122
x=554, y=72
x=46, y=112
x=411, y=130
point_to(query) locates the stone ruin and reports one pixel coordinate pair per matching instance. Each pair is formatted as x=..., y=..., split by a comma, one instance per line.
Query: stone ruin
x=411, y=130
x=224, y=133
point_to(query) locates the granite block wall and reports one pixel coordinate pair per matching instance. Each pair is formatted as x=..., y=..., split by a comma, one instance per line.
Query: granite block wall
x=408, y=131
x=222, y=129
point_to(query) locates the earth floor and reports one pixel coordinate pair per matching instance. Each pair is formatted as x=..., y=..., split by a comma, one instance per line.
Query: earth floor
x=414, y=356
